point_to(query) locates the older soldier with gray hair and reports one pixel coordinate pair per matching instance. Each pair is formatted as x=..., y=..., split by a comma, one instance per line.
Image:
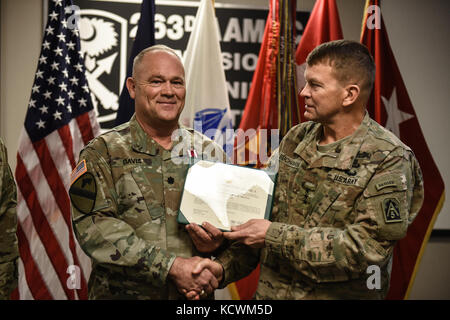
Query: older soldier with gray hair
x=126, y=190
x=9, y=252
x=347, y=191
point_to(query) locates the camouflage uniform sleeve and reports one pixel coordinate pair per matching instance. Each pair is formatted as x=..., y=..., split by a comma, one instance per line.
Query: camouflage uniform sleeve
x=102, y=235
x=238, y=260
x=388, y=204
x=9, y=252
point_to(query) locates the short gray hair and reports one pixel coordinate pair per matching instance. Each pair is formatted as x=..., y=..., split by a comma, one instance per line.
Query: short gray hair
x=156, y=47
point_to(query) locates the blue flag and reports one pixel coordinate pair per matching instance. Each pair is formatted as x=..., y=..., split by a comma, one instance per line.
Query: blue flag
x=145, y=37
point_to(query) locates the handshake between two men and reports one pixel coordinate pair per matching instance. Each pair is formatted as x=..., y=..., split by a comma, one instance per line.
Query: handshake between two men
x=196, y=277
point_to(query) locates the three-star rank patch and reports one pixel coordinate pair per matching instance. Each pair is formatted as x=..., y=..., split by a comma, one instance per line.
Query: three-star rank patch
x=83, y=192
x=391, y=210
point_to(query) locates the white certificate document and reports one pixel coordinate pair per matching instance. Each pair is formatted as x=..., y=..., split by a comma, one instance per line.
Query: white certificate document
x=225, y=195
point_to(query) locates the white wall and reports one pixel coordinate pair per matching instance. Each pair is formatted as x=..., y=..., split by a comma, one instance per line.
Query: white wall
x=420, y=42
x=418, y=31
x=21, y=38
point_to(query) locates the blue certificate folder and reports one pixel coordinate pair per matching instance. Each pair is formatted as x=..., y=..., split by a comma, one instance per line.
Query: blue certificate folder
x=242, y=176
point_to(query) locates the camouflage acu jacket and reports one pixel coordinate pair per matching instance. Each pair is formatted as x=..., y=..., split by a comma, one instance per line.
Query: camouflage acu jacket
x=9, y=252
x=335, y=214
x=125, y=196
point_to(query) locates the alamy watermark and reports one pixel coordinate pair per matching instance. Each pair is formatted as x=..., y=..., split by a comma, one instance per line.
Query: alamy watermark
x=241, y=147
x=374, y=280
x=74, y=280
x=374, y=19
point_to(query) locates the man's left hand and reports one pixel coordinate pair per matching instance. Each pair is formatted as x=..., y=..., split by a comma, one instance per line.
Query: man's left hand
x=206, y=239
x=252, y=233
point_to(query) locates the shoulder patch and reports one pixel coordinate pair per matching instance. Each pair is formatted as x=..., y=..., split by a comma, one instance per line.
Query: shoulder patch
x=78, y=171
x=385, y=184
x=83, y=193
x=391, y=210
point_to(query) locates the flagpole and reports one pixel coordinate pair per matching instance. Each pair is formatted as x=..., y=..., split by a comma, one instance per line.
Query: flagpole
x=364, y=19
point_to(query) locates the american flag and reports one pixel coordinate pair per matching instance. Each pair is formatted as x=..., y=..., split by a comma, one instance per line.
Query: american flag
x=59, y=121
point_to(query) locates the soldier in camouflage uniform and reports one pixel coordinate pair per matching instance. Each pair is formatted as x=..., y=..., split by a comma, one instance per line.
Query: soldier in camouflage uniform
x=126, y=190
x=347, y=190
x=9, y=251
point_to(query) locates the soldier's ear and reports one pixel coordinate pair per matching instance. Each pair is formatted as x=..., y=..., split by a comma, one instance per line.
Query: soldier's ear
x=351, y=94
x=131, y=86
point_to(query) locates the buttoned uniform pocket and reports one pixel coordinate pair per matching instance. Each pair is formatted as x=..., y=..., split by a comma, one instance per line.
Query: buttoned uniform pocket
x=336, y=198
x=150, y=222
x=132, y=207
x=151, y=189
x=285, y=190
x=387, y=203
x=319, y=211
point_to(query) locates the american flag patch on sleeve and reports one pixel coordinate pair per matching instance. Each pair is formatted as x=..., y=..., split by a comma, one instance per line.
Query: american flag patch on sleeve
x=78, y=171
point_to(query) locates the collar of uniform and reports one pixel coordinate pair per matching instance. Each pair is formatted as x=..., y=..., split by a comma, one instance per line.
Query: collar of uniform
x=351, y=147
x=306, y=149
x=142, y=142
x=343, y=160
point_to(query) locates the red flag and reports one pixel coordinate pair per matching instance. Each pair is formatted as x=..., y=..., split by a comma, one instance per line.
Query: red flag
x=272, y=102
x=59, y=121
x=390, y=106
x=323, y=26
x=261, y=108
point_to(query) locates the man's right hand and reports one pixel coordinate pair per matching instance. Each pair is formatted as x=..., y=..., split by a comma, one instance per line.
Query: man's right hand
x=205, y=265
x=200, y=283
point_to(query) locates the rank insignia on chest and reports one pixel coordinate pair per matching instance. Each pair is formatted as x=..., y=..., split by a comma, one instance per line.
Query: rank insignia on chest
x=391, y=210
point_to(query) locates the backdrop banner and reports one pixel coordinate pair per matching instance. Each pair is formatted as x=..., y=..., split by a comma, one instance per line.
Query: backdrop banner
x=108, y=29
